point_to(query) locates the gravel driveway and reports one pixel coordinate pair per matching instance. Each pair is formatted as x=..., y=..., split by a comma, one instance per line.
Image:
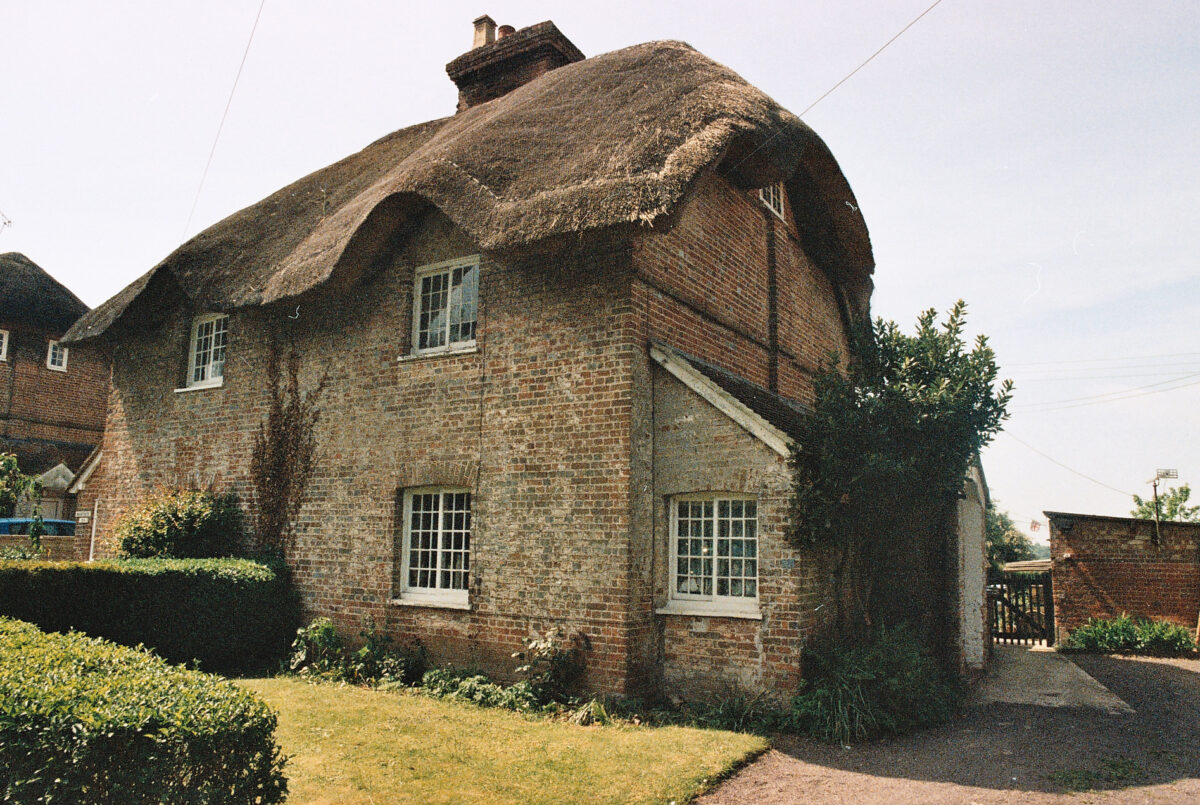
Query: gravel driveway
x=1005, y=753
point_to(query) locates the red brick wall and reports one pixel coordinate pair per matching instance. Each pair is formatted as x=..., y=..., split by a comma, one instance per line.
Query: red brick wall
x=39, y=403
x=703, y=287
x=1103, y=566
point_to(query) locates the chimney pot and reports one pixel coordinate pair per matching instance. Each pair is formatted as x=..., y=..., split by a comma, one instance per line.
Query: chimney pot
x=485, y=31
x=505, y=30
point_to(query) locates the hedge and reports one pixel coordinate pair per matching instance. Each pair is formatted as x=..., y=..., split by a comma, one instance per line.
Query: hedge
x=84, y=720
x=232, y=616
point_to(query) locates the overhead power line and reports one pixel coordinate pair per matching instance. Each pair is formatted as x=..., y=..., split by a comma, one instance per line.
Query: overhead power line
x=870, y=58
x=224, y=114
x=1053, y=460
x=1110, y=359
x=1112, y=396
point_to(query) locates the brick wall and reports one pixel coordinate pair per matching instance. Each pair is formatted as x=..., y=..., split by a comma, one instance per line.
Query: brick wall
x=535, y=423
x=703, y=286
x=39, y=405
x=698, y=449
x=1103, y=566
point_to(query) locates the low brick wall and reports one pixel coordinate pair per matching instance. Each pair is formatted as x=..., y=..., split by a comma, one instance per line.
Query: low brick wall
x=58, y=549
x=1103, y=566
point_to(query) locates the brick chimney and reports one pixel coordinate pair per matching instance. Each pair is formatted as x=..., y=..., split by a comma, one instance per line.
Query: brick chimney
x=496, y=66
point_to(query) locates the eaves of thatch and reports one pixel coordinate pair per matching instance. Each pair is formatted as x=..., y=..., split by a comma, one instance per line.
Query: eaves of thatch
x=617, y=139
x=30, y=296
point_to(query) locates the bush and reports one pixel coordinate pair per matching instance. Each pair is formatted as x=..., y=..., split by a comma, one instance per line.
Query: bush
x=1126, y=635
x=232, y=616
x=553, y=664
x=446, y=683
x=183, y=524
x=319, y=651
x=884, y=685
x=83, y=720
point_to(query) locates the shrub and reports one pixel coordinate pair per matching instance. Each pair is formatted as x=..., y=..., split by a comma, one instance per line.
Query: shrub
x=884, y=685
x=83, y=720
x=1126, y=635
x=553, y=664
x=446, y=683
x=319, y=651
x=182, y=523
x=230, y=615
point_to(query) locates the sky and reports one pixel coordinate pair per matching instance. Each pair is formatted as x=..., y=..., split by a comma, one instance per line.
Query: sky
x=1037, y=159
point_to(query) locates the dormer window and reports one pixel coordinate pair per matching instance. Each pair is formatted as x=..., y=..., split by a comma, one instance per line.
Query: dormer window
x=206, y=365
x=56, y=357
x=772, y=196
x=445, y=306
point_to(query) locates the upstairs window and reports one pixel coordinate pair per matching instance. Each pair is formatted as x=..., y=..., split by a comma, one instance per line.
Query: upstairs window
x=715, y=550
x=772, y=196
x=56, y=357
x=206, y=364
x=445, y=305
x=436, y=547
x=3, y=345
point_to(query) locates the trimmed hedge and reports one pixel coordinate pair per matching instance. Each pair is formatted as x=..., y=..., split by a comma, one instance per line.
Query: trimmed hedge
x=83, y=720
x=232, y=616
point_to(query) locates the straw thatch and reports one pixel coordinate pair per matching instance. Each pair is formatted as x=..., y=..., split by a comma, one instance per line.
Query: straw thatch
x=28, y=295
x=616, y=139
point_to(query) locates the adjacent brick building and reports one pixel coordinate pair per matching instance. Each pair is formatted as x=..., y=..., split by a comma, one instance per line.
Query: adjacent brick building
x=1104, y=566
x=52, y=398
x=564, y=336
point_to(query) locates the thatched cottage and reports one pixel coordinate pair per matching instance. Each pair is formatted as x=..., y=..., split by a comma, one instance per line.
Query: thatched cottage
x=565, y=334
x=52, y=398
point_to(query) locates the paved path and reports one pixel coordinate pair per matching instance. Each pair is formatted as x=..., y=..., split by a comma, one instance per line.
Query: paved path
x=1073, y=744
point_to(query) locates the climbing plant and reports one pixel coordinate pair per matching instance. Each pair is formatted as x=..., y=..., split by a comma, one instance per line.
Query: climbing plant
x=884, y=453
x=285, y=451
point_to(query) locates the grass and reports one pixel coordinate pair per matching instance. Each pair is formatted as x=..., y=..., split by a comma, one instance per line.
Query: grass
x=351, y=745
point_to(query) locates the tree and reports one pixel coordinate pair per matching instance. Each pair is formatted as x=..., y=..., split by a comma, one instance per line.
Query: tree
x=879, y=463
x=1005, y=543
x=1172, y=505
x=15, y=485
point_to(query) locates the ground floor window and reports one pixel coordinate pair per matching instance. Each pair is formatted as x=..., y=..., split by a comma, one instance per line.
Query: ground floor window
x=714, y=541
x=436, y=546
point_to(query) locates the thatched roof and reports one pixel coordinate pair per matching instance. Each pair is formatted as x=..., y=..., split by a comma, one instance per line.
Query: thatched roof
x=615, y=139
x=29, y=295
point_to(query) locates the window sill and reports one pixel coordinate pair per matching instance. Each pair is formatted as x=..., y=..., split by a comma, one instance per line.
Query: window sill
x=434, y=603
x=201, y=386
x=439, y=353
x=704, y=609
x=62, y=369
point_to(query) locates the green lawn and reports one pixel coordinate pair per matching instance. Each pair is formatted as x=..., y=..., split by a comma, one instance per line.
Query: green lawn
x=352, y=745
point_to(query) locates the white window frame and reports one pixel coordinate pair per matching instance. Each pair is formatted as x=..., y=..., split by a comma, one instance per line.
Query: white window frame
x=447, y=267
x=772, y=196
x=437, y=595
x=715, y=603
x=3, y=345
x=208, y=380
x=51, y=348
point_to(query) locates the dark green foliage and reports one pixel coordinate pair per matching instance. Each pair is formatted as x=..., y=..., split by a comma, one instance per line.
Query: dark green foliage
x=1005, y=542
x=319, y=651
x=1126, y=635
x=84, y=720
x=553, y=664
x=232, y=616
x=183, y=524
x=880, y=462
x=882, y=686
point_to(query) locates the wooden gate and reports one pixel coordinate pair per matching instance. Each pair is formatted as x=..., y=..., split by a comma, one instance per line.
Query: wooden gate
x=1021, y=608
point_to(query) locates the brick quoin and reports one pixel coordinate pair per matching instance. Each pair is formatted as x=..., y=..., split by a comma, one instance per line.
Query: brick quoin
x=1104, y=566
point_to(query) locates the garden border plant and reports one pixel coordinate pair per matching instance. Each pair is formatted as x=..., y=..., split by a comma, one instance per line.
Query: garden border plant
x=1126, y=635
